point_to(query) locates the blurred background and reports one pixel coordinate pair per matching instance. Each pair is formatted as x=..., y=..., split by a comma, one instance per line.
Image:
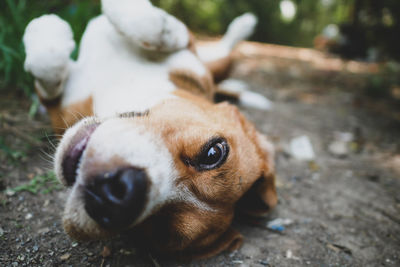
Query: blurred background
x=366, y=30
x=331, y=69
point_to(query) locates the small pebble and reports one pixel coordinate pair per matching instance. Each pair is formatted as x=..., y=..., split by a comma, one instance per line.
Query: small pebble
x=301, y=148
x=65, y=257
x=339, y=148
x=44, y=230
x=10, y=193
x=46, y=203
x=279, y=224
x=126, y=252
x=289, y=254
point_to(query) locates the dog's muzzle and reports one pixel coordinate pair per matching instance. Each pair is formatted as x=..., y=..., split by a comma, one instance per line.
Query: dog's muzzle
x=115, y=199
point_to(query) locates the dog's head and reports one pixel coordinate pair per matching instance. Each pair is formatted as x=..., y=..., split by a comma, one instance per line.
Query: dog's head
x=172, y=176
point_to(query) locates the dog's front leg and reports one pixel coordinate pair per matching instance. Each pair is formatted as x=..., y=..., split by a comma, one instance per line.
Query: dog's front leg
x=48, y=44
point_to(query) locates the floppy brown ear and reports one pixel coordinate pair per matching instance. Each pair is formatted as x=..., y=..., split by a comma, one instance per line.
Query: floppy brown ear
x=261, y=197
x=231, y=240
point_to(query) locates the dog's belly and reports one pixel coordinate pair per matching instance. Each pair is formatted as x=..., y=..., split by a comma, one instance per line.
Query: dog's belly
x=136, y=92
x=120, y=76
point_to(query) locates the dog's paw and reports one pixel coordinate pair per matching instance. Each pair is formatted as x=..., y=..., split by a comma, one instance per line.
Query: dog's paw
x=254, y=100
x=240, y=29
x=48, y=44
x=149, y=27
x=246, y=98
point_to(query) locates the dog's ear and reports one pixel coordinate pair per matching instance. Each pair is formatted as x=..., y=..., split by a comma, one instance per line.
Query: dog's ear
x=261, y=197
x=231, y=240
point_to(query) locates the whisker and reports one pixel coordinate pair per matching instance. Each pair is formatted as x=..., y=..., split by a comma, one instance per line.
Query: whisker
x=51, y=143
x=65, y=123
x=50, y=162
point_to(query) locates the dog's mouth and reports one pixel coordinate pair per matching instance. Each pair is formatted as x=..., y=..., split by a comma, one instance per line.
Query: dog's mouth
x=73, y=155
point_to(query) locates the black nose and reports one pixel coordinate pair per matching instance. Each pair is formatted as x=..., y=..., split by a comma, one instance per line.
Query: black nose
x=115, y=199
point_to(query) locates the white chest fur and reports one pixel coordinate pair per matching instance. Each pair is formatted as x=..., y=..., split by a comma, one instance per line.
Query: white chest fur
x=121, y=76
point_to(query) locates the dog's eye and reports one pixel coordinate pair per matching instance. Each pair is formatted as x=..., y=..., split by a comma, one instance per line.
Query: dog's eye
x=213, y=154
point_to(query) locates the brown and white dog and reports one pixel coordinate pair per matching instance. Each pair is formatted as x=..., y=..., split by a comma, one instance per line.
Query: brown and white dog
x=153, y=156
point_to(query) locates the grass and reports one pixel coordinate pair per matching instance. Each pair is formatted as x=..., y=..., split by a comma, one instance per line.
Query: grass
x=44, y=184
x=15, y=15
x=11, y=154
x=210, y=17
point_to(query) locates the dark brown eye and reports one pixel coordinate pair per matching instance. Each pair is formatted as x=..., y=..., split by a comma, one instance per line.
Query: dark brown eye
x=213, y=155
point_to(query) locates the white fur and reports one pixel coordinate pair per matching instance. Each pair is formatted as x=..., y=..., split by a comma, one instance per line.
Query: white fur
x=234, y=86
x=240, y=29
x=117, y=69
x=63, y=146
x=140, y=148
x=75, y=213
x=122, y=75
x=247, y=98
x=146, y=25
x=48, y=44
x=254, y=100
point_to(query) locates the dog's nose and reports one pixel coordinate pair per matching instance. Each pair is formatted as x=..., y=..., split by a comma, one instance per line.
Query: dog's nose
x=115, y=199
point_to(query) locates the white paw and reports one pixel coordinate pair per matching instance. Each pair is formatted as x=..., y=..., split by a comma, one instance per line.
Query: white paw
x=246, y=97
x=147, y=26
x=48, y=44
x=255, y=100
x=240, y=29
x=234, y=86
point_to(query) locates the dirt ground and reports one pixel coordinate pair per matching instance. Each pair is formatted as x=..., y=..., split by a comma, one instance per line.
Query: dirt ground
x=342, y=210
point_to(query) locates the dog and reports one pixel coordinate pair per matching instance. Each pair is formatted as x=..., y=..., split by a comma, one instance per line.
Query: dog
x=147, y=154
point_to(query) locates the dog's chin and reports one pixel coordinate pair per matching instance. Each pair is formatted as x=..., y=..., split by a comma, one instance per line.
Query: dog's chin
x=77, y=223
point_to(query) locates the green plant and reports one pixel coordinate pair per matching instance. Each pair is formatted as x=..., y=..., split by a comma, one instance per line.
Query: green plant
x=45, y=183
x=381, y=83
x=14, y=17
x=11, y=154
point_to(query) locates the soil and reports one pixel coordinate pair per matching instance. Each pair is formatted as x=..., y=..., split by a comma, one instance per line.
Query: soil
x=344, y=210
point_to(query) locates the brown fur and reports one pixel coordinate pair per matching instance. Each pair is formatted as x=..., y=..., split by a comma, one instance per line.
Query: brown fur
x=180, y=229
x=64, y=117
x=202, y=233
x=191, y=82
x=221, y=68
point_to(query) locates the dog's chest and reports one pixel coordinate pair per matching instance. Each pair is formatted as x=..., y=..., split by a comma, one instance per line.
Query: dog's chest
x=121, y=77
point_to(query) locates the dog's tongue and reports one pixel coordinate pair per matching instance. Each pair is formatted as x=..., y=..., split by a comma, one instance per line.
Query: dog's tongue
x=72, y=157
